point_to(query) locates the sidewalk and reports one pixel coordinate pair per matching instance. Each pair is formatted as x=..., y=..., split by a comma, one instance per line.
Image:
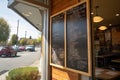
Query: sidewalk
x=35, y=64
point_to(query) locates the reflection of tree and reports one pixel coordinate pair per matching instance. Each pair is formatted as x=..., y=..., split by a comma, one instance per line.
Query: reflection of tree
x=58, y=56
x=77, y=40
x=58, y=39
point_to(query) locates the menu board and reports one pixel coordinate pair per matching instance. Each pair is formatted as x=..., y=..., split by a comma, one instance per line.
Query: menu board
x=57, y=40
x=77, y=50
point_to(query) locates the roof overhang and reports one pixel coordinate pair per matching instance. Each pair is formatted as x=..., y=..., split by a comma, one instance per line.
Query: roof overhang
x=31, y=12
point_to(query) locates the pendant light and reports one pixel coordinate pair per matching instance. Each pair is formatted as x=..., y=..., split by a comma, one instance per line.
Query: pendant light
x=102, y=28
x=97, y=18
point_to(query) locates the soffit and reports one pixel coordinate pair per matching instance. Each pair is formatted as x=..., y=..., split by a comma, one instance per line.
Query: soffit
x=32, y=13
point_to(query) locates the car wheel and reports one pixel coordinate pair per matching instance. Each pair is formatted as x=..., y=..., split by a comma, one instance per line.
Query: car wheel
x=9, y=54
x=15, y=54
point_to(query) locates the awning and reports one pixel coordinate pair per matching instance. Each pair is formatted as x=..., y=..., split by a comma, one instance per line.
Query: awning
x=32, y=13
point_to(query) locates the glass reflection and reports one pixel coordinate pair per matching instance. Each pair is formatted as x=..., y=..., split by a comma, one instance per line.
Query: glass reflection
x=106, y=42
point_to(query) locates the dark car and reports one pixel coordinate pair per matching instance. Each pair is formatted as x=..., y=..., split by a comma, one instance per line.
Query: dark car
x=8, y=51
x=30, y=48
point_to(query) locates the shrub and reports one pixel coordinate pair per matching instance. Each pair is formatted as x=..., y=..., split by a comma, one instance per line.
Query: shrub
x=24, y=73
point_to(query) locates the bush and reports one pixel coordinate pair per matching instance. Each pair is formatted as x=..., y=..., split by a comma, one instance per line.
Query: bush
x=25, y=73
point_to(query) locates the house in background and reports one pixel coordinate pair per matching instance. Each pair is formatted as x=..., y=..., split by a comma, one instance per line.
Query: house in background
x=80, y=38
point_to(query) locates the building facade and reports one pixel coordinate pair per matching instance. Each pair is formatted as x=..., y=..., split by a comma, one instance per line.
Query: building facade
x=80, y=38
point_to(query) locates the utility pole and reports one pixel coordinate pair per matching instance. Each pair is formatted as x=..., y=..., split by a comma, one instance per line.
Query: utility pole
x=25, y=34
x=17, y=27
x=25, y=37
x=17, y=30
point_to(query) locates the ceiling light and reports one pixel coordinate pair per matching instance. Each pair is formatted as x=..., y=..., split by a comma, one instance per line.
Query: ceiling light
x=117, y=15
x=29, y=13
x=110, y=24
x=97, y=18
x=102, y=28
x=25, y=14
x=92, y=13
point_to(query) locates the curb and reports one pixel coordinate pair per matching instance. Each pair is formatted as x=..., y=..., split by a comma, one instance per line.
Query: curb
x=3, y=76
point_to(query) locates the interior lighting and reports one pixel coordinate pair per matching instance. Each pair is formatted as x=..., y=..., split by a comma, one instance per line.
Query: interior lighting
x=102, y=28
x=97, y=18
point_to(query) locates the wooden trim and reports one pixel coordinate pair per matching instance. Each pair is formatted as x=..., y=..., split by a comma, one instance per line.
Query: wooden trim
x=89, y=73
x=42, y=50
x=62, y=74
x=68, y=8
x=65, y=33
x=58, y=66
x=77, y=71
x=89, y=38
x=51, y=43
x=50, y=38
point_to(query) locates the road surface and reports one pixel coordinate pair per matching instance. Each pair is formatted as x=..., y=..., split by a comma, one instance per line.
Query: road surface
x=24, y=58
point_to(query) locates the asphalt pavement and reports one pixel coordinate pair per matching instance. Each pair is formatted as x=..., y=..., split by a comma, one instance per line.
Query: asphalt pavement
x=23, y=59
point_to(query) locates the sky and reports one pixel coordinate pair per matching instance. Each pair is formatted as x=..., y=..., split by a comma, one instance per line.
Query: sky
x=12, y=18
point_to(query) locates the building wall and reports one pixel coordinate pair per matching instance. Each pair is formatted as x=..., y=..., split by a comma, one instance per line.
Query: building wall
x=59, y=5
x=60, y=74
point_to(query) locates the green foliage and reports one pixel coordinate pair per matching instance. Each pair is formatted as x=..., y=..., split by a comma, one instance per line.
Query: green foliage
x=39, y=40
x=30, y=37
x=4, y=30
x=14, y=39
x=31, y=41
x=22, y=41
x=25, y=73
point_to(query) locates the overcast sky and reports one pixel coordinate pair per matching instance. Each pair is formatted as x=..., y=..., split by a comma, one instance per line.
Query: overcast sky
x=12, y=18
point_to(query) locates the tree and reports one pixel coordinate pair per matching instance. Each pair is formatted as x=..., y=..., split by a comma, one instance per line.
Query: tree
x=31, y=41
x=22, y=41
x=14, y=39
x=4, y=30
x=30, y=37
x=39, y=40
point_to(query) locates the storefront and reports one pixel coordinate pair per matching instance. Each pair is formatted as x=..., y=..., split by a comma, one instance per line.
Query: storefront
x=74, y=45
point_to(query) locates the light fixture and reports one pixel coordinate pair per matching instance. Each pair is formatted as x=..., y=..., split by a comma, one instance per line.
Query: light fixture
x=110, y=24
x=102, y=28
x=97, y=18
x=117, y=15
x=30, y=13
x=27, y=14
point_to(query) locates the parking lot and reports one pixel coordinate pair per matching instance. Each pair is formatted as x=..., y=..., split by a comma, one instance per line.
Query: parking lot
x=24, y=58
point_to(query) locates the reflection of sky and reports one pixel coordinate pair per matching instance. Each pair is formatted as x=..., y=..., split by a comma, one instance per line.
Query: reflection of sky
x=11, y=17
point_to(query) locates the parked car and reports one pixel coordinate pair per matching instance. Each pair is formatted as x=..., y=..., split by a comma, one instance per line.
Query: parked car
x=16, y=48
x=30, y=48
x=8, y=51
x=21, y=48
